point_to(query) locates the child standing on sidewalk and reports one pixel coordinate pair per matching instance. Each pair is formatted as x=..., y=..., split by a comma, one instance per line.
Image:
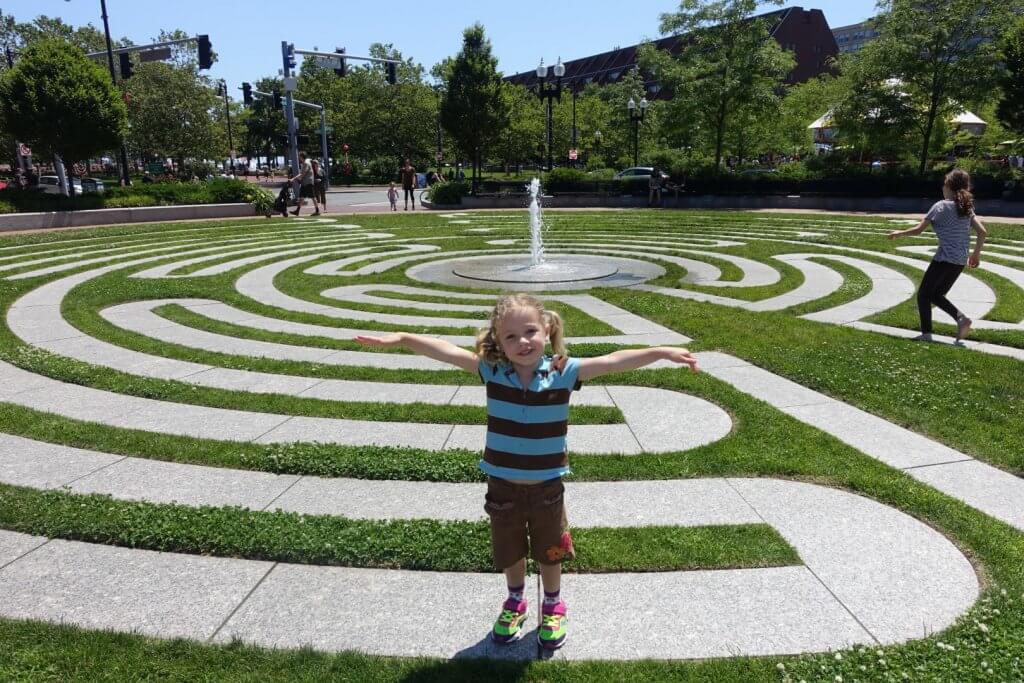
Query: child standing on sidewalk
x=525, y=454
x=393, y=196
x=952, y=219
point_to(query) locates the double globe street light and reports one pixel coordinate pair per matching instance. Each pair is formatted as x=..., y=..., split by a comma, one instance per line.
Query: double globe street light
x=636, y=115
x=549, y=91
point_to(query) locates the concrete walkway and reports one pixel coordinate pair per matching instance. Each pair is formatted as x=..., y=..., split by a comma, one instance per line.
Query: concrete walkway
x=870, y=574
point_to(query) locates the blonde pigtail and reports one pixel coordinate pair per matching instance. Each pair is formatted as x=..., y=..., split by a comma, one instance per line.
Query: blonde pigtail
x=556, y=332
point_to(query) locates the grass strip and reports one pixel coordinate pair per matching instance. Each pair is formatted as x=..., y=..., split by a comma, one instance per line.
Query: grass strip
x=403, y=544
x=76, y=372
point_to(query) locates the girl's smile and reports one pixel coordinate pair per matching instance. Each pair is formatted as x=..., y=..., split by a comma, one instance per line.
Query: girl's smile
x=522, y=335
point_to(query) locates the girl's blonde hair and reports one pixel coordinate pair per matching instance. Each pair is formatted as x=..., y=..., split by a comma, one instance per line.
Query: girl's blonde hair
x=487, y=345
x=958, y=182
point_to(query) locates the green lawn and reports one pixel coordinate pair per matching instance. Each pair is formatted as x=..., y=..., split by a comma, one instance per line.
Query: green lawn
x=969, y=401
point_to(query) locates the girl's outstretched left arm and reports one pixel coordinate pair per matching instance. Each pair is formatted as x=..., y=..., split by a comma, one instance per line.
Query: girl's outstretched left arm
x=631, y=359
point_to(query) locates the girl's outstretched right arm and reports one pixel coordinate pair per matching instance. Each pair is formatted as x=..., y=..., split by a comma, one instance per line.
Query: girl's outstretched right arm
x=431, y=347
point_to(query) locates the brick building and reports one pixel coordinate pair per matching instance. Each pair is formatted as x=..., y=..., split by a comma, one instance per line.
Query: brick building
x=804, y=32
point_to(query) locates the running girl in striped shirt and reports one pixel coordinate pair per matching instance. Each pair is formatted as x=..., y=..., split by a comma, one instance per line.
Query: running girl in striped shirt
x=525, y=454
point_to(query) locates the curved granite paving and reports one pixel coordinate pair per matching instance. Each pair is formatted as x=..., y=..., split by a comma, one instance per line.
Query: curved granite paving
x=870, y=573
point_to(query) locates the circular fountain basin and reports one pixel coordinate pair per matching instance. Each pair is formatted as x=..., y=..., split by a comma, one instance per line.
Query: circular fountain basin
x=515, y=272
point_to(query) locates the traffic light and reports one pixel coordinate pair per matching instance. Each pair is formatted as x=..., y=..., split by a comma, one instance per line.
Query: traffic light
x=247, y=94
x=392, y=73
x=289, y=55
x=277, y=99
x=343, y=69
x=126, y=65
x=205, y=52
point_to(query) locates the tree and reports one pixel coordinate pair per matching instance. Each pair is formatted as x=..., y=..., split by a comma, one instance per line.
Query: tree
x=1011, y=103
x=15, y=37
x=728, y=62
x=943, y=53
x=61, y=103
x=803, y=104
x=170, y=110
x=474, y=110
x=520, y=139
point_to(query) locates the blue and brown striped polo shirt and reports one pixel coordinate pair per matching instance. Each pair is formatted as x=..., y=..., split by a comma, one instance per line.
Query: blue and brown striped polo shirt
x=527, y=426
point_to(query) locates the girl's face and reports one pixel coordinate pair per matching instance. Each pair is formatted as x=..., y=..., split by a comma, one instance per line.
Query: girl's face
x=522, y=335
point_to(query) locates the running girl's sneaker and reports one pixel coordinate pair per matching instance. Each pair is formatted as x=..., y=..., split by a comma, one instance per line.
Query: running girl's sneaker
x=552, y=630
x=509, y=626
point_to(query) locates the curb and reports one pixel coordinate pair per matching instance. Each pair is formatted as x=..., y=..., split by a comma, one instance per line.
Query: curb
x=143, y=214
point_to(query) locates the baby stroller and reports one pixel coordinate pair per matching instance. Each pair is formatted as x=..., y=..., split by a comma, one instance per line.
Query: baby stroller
x=282, y=201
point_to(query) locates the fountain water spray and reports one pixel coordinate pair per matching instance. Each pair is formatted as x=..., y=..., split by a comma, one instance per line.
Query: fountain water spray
x=536, y=225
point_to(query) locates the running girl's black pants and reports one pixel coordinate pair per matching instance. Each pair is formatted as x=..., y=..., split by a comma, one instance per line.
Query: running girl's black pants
x=937, y=282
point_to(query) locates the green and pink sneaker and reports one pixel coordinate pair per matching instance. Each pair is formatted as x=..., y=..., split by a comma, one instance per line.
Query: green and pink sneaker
x=509, y=626
x=552, y=630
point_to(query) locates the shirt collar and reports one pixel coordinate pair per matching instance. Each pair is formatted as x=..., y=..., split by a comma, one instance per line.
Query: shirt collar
x=542, y=370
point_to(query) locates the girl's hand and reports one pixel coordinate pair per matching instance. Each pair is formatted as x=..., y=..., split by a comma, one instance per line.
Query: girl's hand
x=386, y=341
x=974, y=261
x=894, y=234
x=558, y=362
x=682, y=356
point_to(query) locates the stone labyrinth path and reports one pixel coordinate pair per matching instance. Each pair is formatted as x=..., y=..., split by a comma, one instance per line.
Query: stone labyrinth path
x=867, y=573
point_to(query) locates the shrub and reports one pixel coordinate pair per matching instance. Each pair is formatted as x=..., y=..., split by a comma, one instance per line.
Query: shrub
x=565, y=180
x=382, y=170
x=448, y=193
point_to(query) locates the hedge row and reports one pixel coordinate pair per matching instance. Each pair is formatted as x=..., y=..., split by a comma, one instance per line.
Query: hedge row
x=216, y=191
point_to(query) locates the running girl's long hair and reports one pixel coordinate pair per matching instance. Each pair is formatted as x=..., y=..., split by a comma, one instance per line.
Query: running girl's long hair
x=958, y=182
x=487, y=345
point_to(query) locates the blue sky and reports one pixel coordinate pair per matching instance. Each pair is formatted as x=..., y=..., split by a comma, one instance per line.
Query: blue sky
x=247, y=35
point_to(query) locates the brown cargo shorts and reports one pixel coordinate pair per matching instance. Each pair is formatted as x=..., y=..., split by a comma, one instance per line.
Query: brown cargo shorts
x=528, y=518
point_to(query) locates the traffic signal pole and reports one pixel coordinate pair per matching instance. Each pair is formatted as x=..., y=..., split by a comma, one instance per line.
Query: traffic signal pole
x=288, y=59
x=125, y=177
x=288, y=56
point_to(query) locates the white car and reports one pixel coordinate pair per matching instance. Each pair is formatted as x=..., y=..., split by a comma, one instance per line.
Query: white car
x=50, y=184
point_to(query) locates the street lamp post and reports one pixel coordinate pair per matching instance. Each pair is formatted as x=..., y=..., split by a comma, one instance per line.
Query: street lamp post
x=637, y=118
x=546, y=91
x=597, y=141
x=574, y=118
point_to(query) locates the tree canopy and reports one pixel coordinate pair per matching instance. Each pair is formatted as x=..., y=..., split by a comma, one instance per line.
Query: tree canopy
x=728, y=71
x=60, y=102
x=474, y=108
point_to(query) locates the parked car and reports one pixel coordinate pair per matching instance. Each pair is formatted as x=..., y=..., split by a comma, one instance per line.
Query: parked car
x=50, y=184
x=92, y=185
x=635, y=174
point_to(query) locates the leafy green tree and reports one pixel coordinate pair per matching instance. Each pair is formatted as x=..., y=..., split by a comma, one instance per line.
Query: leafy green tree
x=802, y=105
x=727, y=63
x=61, y=103
x=16, y=36
x=474, y=109
x=1011, y=103
x=171, y=113
x=943, y=53
x=376, y=119
x=520, y=140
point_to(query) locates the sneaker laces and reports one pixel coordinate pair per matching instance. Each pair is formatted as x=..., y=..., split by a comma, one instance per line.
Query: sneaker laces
x=552, y=620
x=509, y=615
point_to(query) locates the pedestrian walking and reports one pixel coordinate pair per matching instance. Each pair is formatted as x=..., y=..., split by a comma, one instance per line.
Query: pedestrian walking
x=654, y=187
x=952, y=218
x=319, y=185
x=307, y=185
x=525, y=453
x=408, y=176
